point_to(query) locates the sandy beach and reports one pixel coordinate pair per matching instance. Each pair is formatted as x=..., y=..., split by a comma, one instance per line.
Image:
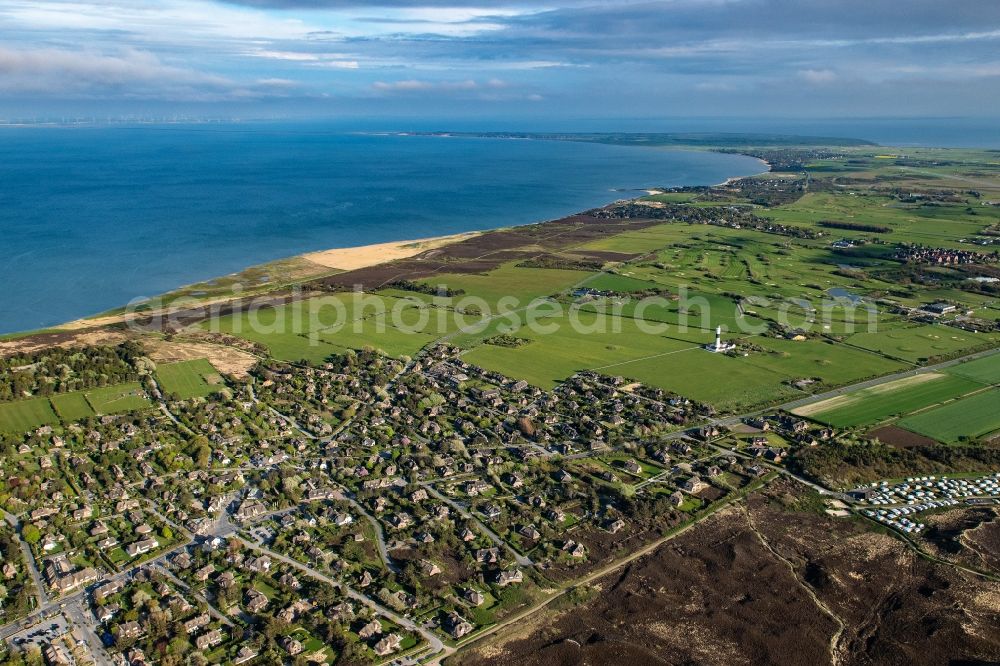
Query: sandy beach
x=352, y=258
x=305, y=266
x=343, y=258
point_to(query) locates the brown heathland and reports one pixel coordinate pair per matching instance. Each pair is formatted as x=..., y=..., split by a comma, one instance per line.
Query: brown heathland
x=769, y=583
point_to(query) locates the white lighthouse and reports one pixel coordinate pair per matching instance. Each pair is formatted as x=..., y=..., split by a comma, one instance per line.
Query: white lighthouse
x=719, y=345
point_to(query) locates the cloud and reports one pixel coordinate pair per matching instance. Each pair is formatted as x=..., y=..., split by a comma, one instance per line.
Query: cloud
x=278, y=83
x=130, y=73
x=293, y=56
x=648, y=57
x=818, y=76
x=41, y=67
x=398, y=4
x=415, y=85
x=489, y=91
x=714, y=87
x=402, y=86
x=327, y=60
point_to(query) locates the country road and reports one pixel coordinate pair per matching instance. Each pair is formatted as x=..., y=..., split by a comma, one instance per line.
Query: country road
x=41, y=597
x=519, y=558
x=437, y=645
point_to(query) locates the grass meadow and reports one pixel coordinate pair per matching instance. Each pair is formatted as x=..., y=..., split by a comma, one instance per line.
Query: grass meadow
x=189, y=379
x=970, y=417
x=24, y=415
x=880, y=403
x=985, y=370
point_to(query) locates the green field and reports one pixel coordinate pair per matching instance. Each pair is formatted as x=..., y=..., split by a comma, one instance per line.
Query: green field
x=189, y=379
x=375, y=332
x=25, y=415
x=120, y=398
x=620, y=283
x=735, y=383
x=876, y=404
x=696, y=310
x=831, y=364
x=713, y=266
x=72, y=406
x=634, y=242
x=985, y=370
x=920, y=342
x=523, y=284
x=553, y=355
x=671, y=197
x=970, y=417
x=673, y=360
x=727, y=383
x=284, y=329
x=317, y=328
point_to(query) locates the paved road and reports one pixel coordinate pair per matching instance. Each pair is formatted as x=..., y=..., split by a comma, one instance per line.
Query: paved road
x=41, y=596
x=223, y=527
x=383, y=549
x=437, y=646
x=822, y=490
x=54, y=606
x=78, y=613
x=76, y=608
x=200, y=595
x=819, y=397
x=909, y=541
x=166, y=410
x=589, y=578
x=64, y=626
x=667, y=472
x=178, y=530
x=520, y=559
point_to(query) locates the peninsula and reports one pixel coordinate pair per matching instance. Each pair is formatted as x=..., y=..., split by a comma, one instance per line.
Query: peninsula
x=749, y=422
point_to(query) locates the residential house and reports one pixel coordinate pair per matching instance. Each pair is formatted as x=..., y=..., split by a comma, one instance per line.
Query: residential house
x=129, y=631
x=208, y=640
x=694, y=485
x=255, y=601
x=292, y=646
x=614, y=526
x=370, y=630
x=529, y=532
x=512, y=577
x=197, y=622
x=457, y=626
x=488, y=555
x=388, y=645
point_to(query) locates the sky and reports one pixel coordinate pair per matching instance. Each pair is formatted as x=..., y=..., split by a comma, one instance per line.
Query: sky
x=548, y=59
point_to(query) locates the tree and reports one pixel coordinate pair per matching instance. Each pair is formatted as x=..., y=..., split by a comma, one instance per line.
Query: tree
x=203, y=455
x=31, y=534
x=179, y=645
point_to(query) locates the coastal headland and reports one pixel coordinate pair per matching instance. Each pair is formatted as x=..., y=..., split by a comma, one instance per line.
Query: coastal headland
x=669, y=422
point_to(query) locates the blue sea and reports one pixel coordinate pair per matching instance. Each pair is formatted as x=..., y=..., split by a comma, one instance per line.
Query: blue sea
x=91, y=218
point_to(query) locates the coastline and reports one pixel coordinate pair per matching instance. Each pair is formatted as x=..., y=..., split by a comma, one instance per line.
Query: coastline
x=363, y=256
x=307, y=266
x=324, y=261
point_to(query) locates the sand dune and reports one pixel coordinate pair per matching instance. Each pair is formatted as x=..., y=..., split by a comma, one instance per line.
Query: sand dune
x=351, y=258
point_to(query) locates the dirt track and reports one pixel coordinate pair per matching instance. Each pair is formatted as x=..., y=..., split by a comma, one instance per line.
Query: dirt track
x=485, y=252
x=769, y=585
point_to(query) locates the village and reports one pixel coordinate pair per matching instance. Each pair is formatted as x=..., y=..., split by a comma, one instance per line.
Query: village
x=246, y=527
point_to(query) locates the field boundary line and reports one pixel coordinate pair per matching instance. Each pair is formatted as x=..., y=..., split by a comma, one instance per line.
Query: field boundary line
x=644, y=358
